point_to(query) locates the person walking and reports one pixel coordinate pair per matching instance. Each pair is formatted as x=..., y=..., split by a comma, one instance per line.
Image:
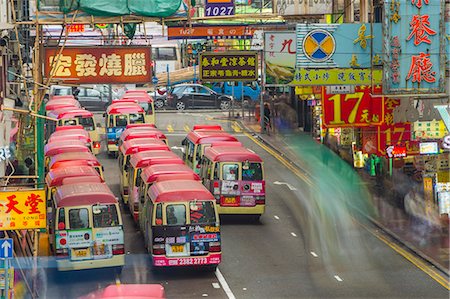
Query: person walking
x=267, y=123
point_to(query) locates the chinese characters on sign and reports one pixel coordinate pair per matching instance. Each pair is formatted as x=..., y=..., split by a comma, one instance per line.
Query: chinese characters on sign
x=314, y=77
x=209, y=32
x=75, y=28
x=99, y=65
x=359, y=109
x=22, y=210
x=413, y=60
x=231, y=66
x=279, y=57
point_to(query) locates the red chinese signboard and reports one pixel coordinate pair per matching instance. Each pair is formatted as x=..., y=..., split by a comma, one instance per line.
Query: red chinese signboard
x=395, y=151
x=22, y=210
x=81, y=65
x=75, y=28
x=359, y=109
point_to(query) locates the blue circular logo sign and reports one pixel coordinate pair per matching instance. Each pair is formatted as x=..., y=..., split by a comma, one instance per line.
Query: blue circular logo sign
x=319, y=45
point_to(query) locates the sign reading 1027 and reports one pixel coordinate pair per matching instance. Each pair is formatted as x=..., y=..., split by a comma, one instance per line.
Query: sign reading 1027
x=214, y=8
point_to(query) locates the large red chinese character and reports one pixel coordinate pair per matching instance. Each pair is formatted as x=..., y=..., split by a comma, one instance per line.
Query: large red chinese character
x=33, y=201
x=12, y=205
x=420, y=29
x=420, y=69
x=418, y=3
x=287, y=42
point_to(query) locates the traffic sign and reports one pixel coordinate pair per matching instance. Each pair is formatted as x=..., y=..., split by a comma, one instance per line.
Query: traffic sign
x=6, y=249
x=155, y=80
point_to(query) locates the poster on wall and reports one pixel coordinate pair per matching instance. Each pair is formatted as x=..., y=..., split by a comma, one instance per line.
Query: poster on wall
x=279, y=56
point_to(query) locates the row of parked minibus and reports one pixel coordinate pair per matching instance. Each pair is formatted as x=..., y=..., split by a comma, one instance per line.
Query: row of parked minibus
x=84, y=219
x=176, y=202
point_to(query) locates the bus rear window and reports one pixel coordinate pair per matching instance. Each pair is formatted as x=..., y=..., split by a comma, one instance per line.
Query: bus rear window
x=202, y=212
x=87, y=123
x=78, y=218
x=105, y=215
x=136, y=118
x=176, y=214
x=252, y=172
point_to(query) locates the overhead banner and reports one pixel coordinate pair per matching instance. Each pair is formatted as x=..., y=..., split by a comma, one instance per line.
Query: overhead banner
x=321, y=77
x=359, y=109
x=339, y=45
x=22, y=210
x=90, y=65
x=210, y=32
x=229, y=66
x=304, y=8
x=413, y=47
x=279, y=56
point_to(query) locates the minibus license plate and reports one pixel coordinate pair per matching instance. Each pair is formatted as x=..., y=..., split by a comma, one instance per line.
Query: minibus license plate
x=230, y=201
x=81, y=253
x=177, y=248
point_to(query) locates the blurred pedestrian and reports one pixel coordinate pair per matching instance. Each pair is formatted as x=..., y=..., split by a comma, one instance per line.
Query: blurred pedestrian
x=267, y=123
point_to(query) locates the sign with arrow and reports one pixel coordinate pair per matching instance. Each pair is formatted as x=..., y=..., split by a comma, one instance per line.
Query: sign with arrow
x=283, y=183
x=6, y=249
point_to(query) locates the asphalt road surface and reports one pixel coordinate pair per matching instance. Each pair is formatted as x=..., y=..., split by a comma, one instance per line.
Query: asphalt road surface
x=292, y=252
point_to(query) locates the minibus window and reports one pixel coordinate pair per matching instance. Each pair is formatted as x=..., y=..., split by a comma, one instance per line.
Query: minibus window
x=230, y=172
x=136, y=118
x=216, y=171
x=61, y=219
x=69, y=122
x=121, y=121
x=78, y=218
x=158, y=217
x=202, y=212
x=252, y=172
x=190, y=151
x=111, y=121
x=176, y=214
x=105, y=215
x=87, y=123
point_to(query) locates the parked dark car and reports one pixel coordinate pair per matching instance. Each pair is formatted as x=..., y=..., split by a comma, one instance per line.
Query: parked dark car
x=190, y=96
x=90, y=98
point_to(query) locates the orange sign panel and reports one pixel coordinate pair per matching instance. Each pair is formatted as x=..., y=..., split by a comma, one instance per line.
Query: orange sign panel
x=81, y=65
x=22, y=210
x=218, y=32
x=75, y=28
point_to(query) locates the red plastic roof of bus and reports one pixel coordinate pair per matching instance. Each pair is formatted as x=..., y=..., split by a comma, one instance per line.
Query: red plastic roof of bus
x=56, y=176
x=231, y=154
x=144, y=159
x=121, y=101
x=84, y=194
x=75, y=159
x=226, y=143
x=67, y=96
x=64, y=146
x=151, y=173
x=183, y=190
x=124, y=108
x=64, y=128
x=140, y=98
x=134, y=133
x=207, y=127
x=135, y=126
x=202, y=137
x=62, y=103
x=149, y=291
x=70, y=113
x=82, y=179
x=143, y=144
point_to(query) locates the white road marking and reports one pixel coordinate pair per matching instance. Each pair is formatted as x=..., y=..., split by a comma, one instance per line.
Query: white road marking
x=216, y=285
x=204, y=295
x=293, y=234
x=276, y=217
x=244, y=289
x=338, y=278
x=314, y=254
x=224, y=284
x=283, y=183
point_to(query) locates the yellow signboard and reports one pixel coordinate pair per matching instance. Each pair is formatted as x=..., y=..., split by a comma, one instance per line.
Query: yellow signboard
x=311, y=77
x=25, y=209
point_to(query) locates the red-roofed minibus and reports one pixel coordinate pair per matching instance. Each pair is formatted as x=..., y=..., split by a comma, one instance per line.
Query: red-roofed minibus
x=63, y=146
x=196, y=142
x=61, y=176
x=88, y=228
x=133, y=126
x=136, y=133
x=158, y=173
x=75, y=117
x=128, y=291
x=117, y=117
x=235, y=176
x=181, y=226
x=74, y=134
x=207, y=128
x=141, y=160
x=130, y=147
x=145, y=101
x=76, y=159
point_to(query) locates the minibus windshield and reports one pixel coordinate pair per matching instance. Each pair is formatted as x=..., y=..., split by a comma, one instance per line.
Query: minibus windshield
x=136, y=118
x=252, y=172
x=78, y=218
x=87, y=123
x=202, y=212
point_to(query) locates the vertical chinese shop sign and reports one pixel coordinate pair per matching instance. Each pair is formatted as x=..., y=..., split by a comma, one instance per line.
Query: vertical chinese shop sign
x=359, y=109
x=22, y=210
x=412, y=47
x=81, y=65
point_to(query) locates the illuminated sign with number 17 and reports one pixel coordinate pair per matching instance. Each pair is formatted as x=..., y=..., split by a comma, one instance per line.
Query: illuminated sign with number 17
x=359, y=109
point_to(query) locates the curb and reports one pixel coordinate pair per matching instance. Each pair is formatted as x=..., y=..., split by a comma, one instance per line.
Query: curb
x=390, y=233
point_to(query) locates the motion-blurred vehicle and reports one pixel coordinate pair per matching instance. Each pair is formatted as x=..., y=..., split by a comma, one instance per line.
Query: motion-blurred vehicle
x=191, y=96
